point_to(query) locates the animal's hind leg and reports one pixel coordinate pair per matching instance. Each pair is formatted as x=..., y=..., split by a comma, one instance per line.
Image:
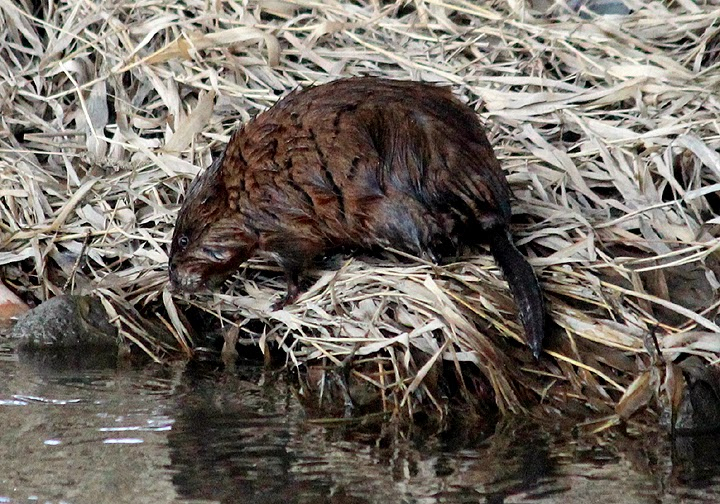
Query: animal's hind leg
x=402, y=222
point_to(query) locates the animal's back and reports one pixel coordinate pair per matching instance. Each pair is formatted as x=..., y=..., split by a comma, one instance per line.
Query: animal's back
x=365, y=161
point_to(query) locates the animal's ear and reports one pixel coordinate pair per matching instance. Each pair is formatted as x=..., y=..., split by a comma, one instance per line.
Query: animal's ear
x=230, y=229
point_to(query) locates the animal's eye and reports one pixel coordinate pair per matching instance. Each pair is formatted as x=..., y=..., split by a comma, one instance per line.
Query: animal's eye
x=183, y=241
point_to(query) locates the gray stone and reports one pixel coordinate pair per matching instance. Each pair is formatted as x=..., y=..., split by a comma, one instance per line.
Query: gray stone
x=65, y=323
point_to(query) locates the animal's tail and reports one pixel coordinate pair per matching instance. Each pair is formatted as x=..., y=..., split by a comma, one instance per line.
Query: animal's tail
x=524, y=287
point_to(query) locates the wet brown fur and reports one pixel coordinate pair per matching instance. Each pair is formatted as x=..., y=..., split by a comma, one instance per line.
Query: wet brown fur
x=356, y=163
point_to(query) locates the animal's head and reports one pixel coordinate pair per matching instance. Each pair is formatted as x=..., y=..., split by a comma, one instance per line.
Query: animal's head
x=210, y=240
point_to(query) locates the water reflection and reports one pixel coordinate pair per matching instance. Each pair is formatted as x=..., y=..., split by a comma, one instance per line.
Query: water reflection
x=58, y=431
x=169, y=435
x=234, y=441
x=230, y=442
x=696, y=463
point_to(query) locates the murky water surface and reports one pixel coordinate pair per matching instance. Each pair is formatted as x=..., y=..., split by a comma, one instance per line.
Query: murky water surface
x=164, y=435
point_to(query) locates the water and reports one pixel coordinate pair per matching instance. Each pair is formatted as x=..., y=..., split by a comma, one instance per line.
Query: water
x=157, y=435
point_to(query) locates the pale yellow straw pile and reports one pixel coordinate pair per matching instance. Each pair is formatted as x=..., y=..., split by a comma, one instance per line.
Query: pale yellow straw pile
x=608, y=127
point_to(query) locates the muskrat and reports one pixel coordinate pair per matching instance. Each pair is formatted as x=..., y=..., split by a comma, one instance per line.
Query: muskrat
x=352, y=164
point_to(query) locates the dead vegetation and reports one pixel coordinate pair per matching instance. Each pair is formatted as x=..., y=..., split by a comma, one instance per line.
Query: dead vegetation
x=607, y=127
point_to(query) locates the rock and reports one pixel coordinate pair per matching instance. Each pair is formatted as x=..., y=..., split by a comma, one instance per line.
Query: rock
x=70, y=322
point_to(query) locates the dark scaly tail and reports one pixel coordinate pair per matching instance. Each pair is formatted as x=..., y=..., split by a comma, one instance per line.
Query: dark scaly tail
x=524, y=287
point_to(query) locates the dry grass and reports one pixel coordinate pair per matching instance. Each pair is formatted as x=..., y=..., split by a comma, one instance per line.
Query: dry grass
x=608, y=129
